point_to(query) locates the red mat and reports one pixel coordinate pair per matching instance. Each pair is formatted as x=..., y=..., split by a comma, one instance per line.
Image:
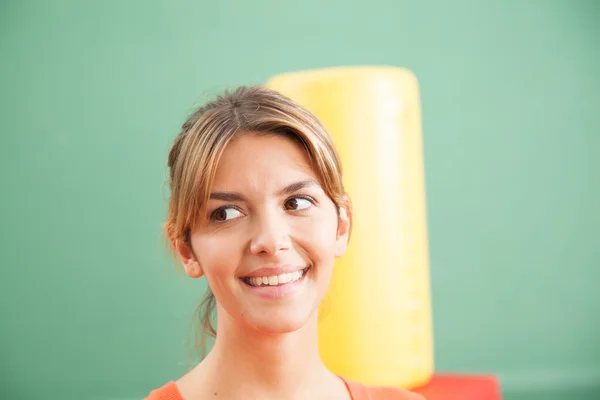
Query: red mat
x=461, y=387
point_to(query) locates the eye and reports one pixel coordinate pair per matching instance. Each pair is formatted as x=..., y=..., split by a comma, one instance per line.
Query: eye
x=225, y=214
x=297, y=204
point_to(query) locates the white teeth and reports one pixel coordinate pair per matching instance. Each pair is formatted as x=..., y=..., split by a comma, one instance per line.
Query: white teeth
x=276, y=279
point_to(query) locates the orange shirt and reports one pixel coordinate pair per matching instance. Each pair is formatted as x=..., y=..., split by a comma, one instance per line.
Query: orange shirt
x=356, y=390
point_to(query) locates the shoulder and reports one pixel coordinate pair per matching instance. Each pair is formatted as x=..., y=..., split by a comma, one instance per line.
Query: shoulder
x=167, y=392
x=392, y=393
x=362, y=392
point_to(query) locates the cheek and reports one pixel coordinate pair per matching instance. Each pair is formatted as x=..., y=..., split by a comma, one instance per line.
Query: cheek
x=317, y=236
x=216, y=255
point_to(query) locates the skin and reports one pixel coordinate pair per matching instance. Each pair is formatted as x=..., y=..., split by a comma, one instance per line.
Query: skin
x=265, y=348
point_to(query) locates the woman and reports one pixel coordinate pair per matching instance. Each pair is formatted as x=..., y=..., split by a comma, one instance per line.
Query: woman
x=259, y=209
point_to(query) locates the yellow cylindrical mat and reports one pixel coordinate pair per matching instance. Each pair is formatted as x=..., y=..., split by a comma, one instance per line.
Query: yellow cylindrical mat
x=375, y=324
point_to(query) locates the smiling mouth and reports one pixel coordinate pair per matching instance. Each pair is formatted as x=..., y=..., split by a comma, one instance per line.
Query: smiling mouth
x=276, y=280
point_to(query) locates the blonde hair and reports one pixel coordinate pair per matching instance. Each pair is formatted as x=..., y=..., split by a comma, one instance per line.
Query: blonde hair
x=196, y=151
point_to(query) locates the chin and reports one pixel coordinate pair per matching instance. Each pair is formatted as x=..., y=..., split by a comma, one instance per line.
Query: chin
x=279, y=324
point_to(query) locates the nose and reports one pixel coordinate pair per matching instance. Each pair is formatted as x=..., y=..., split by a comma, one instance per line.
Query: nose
x=271, y=235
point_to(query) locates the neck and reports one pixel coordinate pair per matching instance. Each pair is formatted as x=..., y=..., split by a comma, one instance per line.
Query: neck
x=268, y=365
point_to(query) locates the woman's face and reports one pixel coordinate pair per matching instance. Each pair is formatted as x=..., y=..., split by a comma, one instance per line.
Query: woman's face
x=271, y=237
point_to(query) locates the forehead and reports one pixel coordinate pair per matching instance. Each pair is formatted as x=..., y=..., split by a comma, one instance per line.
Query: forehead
x=262, y=162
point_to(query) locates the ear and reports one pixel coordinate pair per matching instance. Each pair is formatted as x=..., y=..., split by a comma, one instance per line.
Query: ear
x=343, y=232
x=186, y=255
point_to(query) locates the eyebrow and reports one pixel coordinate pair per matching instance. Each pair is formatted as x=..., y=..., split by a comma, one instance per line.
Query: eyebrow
x=289, y=189
x=296, y=186
x=232, y=196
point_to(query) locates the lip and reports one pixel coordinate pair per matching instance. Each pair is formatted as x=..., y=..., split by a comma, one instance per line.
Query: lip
x=278, y=292
x=274, y=271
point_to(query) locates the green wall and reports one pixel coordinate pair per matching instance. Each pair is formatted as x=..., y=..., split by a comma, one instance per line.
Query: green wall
x=92, y=93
